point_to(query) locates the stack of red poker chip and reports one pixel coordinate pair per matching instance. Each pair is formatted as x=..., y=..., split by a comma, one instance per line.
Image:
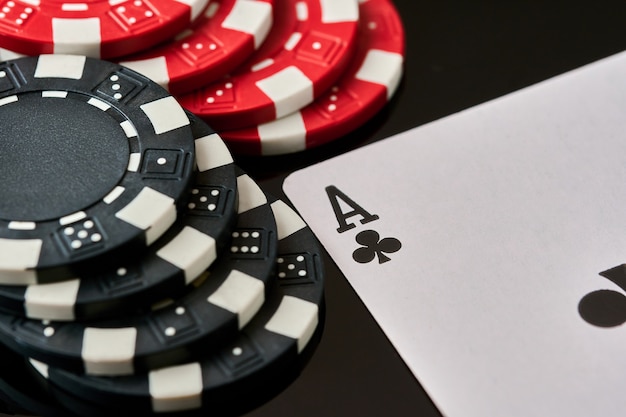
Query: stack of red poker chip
x=361, y=91
x=272, y=76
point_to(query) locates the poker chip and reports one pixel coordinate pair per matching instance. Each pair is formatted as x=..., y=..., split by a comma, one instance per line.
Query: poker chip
x=6, y=55
x=109, y=179
x=306, y=51
x=362, y=91
x=186, y=250
x=215, y=310
x=228, y=33
x=97, y=28
x=271, y=346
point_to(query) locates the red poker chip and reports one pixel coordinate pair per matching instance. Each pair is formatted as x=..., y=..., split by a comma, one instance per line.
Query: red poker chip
x=310, y=45
x=96, y=28
x=362, y=91
x=228, y=33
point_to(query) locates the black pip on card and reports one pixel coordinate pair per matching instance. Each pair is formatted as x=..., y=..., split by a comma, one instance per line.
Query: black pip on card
x=370, y=244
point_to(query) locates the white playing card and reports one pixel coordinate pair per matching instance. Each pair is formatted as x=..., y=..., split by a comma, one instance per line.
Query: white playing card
x=507, y=213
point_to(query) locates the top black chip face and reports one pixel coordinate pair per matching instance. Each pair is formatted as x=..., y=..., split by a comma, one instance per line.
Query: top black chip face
x=93, y=157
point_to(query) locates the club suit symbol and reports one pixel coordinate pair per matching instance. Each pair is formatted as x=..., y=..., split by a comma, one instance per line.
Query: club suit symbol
x=374, y=246
x=606, y=308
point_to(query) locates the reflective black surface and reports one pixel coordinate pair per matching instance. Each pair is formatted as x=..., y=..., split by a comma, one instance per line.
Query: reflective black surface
x=459, y=54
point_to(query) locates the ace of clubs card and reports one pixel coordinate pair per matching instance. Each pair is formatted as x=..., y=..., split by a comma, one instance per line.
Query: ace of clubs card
x=490, y=246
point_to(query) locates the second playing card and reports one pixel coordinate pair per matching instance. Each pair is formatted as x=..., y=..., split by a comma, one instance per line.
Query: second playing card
x=511, y=216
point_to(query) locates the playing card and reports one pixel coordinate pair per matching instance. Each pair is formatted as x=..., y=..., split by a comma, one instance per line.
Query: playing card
x=489, y=246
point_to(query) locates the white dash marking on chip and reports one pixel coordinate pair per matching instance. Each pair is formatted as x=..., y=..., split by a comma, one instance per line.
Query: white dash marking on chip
x=60, y=66
x=211, y=10
x=250, y=195
x=114, y=194
x=336, y=11
x=53, y=301
x=251, y=17
x=288, y=89
x=176, y=388
x=261, y=65
x=97, y=103
x=184, y=34
x=72, y=218
x=151, y=211
x=8, y=100
x=66, y=42
x=287, y=221
x=383, y=68
x=161, y=304
x=74, y=7
x=191, y=251
x=295, y=318
x=196, y=7
x=40, y=367
x=241, y=294
x=134, y=160
x=109, y=351
x=302, y=11
x=165, y=114
x=15, y=225
x=153, y=68
x=35, y=3
x=284, y=135
x=129, y=129
x=6, y=55
x=54, y=94
x=293, y=41
x=18, y=255
x=211, y=152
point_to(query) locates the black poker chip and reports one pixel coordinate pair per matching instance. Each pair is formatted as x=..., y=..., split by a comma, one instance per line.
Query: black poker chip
x=272, y=346
x=219, y=306
x=98, y=157
x=170, y=264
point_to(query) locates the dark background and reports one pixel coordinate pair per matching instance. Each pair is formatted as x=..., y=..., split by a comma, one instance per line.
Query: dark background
x=459, y=54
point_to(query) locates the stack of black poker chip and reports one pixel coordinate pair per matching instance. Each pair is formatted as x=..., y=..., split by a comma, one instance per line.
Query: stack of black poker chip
x=141, y=271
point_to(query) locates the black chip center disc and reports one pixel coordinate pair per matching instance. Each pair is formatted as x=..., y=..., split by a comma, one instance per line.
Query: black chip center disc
x=57, y=156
